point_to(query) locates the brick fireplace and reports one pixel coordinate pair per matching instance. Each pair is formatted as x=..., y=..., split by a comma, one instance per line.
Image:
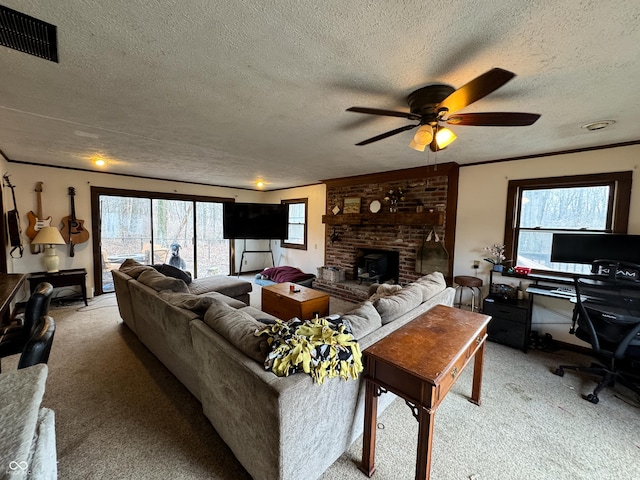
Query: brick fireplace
x=430, y=202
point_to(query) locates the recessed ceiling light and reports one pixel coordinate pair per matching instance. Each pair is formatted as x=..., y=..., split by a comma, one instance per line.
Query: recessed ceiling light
x=599, y=125
x=100, y=162
x=259, y=184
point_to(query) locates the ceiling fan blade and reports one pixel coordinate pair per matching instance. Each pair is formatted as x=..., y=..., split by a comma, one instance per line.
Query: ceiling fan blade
x=494, y=119
x=387, y=134
x=476, y=89
x=388, y=113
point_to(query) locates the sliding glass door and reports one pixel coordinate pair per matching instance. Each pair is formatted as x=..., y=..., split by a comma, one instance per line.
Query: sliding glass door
x=184, y=233
x=173, y=233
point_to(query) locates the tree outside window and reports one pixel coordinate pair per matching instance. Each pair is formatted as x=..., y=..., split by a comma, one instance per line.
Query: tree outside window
x=538, y=208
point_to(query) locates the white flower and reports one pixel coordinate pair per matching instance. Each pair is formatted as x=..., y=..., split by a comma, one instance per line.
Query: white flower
x=497, y=254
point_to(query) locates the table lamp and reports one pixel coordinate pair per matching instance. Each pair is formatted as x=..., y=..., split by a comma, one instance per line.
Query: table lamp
x=49, y=236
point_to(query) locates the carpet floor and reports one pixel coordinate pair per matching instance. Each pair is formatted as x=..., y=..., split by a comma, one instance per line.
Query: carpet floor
x=121, y=414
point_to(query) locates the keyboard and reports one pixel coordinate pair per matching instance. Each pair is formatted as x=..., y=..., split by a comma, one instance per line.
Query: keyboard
x=552, y=290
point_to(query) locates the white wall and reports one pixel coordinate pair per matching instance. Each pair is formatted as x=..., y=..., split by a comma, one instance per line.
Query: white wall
x=482, y=208
x=56, y=204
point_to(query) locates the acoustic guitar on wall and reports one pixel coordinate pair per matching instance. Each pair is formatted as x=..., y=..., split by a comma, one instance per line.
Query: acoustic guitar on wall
x=37, y=221
x=73, y=230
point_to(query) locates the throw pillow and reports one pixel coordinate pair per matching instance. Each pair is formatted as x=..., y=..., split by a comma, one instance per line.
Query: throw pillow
x=363, y=320
x=171, y=271
x=237, y=328
x=160, y=282
x=393, y=306
x=431, y=284
x=133, y=268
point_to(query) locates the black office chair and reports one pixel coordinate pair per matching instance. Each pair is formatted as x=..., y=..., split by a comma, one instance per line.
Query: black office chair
x=608, y=316
x=38, y=347
x=15, y=335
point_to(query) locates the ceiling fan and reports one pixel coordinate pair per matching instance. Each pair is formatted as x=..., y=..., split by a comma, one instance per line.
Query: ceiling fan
x=435, y=104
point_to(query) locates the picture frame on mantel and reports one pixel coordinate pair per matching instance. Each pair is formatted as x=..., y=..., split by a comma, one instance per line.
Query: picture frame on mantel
x=351, y=205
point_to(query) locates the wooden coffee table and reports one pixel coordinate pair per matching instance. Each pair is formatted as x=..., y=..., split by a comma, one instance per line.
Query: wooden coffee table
x=420, y=362
x=306, y=303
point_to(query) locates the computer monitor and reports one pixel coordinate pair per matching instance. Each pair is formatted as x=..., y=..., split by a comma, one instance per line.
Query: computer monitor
x=587, y=247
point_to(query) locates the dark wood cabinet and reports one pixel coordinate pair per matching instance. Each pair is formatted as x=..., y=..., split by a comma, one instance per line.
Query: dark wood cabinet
x=510, y=324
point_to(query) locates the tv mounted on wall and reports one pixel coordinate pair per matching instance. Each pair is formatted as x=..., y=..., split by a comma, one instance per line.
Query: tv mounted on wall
x=587, y=247
x=254, y=221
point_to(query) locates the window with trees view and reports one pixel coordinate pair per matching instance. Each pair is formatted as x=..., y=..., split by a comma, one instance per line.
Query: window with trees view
x=297, y=224
x=538, y=208
x=180, y=230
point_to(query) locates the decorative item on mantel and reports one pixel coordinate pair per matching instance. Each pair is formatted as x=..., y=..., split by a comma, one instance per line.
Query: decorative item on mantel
x=496, y=256
x=393, y=196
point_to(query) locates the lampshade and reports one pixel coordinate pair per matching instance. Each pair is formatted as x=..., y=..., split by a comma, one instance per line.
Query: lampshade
x=48, y=236
x=424, y=135
x=416, y=146
x=422, y=138
x=444, y=137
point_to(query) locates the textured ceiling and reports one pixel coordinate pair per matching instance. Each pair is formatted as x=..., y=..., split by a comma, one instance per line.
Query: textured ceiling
x=228, y=92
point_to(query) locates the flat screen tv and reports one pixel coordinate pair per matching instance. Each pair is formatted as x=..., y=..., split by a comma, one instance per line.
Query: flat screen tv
x=587, y=247
x=255, y=221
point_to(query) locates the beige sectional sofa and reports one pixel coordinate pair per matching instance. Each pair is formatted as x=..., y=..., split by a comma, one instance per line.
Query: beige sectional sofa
x=27, y=429
x=283, y=428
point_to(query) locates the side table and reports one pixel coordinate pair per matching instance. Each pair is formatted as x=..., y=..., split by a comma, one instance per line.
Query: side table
x=420, y=362
x=75, y=277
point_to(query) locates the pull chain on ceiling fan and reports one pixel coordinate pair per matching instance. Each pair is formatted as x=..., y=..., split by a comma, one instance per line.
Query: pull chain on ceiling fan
x=431, y=104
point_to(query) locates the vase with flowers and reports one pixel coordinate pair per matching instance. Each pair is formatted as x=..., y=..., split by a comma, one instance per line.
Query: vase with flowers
x=393, y=196
x=496, y=256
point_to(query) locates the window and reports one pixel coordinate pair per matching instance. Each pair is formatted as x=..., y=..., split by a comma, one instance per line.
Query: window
x=297, y=225
x=152, y=227
x=538, y=208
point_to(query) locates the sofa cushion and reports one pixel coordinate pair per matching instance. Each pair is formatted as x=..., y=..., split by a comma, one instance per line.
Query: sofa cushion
x=238, y=328
x=229, y=286
x=259, y=315
x=383, y=290
x=363, y=320
x=133, y=268
x=171, y=271
x=198, y=303
x=393, y=306
x=159, y=282
x=431, y=284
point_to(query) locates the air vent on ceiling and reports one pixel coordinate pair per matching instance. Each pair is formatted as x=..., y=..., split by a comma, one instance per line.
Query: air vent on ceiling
x=27, y=34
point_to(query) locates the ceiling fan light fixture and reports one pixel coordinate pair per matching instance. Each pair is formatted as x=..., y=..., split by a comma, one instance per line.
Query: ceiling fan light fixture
x=444, y=137
x=424, y=135
x=422, y=138
x=416, y=146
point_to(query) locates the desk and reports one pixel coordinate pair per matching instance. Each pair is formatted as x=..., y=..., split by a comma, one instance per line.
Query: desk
x=64, y=278
x=10, y=283
x=420, y=362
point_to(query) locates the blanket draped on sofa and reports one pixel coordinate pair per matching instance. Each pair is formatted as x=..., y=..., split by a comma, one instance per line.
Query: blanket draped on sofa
x=318, y=347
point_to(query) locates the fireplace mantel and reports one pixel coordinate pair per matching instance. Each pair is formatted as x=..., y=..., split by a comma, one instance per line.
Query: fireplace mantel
x=427, y=218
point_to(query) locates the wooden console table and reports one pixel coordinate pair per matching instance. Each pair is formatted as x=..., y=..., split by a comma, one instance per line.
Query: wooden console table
x=63, y=278
x=420, y=362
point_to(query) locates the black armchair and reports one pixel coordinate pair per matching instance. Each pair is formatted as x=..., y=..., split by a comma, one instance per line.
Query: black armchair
x=15, y=335
x=608, y=316
x=38, y=347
